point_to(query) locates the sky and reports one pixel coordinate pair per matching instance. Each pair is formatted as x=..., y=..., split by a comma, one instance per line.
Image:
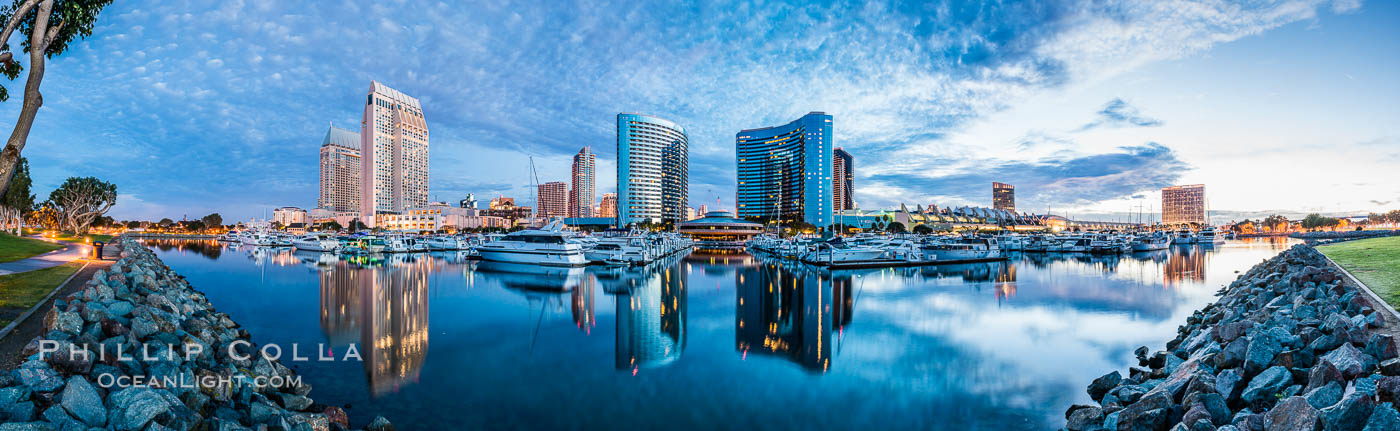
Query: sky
x=1087, y=107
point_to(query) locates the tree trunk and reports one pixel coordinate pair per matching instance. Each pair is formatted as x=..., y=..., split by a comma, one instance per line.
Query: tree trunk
x=38, y=44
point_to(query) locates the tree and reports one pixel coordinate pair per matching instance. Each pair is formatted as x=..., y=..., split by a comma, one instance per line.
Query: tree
x=192, y=225
x=895, y=227
x=332, y=226
x=50, y=25
x=133, y=224
x=80, y=200
x=17, y=200
x=1275, y=223
x=213, y=220
x=356, y=225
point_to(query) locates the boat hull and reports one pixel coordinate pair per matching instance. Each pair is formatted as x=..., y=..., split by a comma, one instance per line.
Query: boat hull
x=535, y=257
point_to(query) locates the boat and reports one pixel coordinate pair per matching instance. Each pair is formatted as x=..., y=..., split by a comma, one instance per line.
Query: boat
x=316, y=242
x=368, y=244
x=837, y=251
x=1011, y=242
x=1184, y=236
x=1209, y=236
x=620, y=250
x=1152, y=241
x=444, y=242
x=230, y=236
x=1074, y=244
x=963, y=249
x=548, y=246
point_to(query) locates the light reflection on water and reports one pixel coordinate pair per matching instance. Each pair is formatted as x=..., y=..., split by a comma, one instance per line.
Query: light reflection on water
x=710, y=339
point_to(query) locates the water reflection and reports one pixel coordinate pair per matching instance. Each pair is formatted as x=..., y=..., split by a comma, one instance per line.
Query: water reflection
x=208, y=248
x=994, y=345
x=651, y=315
x=383, y=313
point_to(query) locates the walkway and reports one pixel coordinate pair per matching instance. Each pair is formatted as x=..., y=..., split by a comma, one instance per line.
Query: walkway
x=73, y=251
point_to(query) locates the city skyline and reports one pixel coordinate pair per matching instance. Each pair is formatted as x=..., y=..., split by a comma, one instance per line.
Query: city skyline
x=936, y=102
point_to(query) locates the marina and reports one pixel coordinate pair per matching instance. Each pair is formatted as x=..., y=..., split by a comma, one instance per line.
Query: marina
x=1013, y=339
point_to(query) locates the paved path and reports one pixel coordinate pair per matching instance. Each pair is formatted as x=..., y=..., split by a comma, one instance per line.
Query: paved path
x=51, y=259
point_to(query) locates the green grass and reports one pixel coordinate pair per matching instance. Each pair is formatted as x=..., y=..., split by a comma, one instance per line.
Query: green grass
x=1374, y=261
x=20, y=291
x=70, y=237
x=14, y=248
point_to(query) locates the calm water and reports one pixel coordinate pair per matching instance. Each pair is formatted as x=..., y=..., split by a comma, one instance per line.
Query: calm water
x=711, y=340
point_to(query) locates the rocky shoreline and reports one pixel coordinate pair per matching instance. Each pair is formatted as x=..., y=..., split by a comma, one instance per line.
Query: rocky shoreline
x=1288, y=346
x=185, y=365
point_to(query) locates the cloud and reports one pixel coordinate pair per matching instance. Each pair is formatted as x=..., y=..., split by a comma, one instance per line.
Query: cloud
x=1118, y=113
x=1056, y=181
x=241, y=108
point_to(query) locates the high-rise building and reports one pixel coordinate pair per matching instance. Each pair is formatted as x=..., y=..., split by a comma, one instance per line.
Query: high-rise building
x=842, y=180
x=608, y=207
x=393, y=152
x=553, y=199
x=785, y=171
x=581, y=197
x=340, y=171
x=652, y=170
x=469, y=202
x=1003, y=196
x=1184, y=204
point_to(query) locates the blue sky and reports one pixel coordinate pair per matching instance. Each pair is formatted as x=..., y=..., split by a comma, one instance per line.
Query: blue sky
x=1088, y=107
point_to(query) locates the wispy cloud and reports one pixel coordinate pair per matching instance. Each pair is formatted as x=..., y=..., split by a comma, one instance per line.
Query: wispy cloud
x=1072, y=180
x=1118, y=113
x=240, y=104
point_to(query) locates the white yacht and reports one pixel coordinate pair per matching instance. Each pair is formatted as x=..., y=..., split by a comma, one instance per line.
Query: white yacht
x=316, y=242
x=1073, y=244
x=1210, y=236
x=445, y=242
x=1011, y=242
x=1152, y=241
x=548, y=245
x=620, y=250
x=963, y=249
x=1184, y=236
x=836, y=251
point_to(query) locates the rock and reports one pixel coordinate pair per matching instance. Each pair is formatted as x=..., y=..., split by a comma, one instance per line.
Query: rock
x=81, y=401
x=1383, y=418
x=1209, y=406
x=1101, y=385
x=1322, y=374
x=336, y=415
x=1388, y=389
x=261, y=413
x=1349, y=414
x=22, y=411
x=1233, y=354
x=1228, y=384
x=1260, y=354
x=295, y=402
x=381, y=424
x=1350, y=361
x=1391, y=367
x=1293, y=414
x=1382, y=347
x=69, y=322
x=1326, y=396
x=1085, y=419
x=1149, y=413
x=132, y=408
x=142, y=327
x=38, y=379
x=1266, y=385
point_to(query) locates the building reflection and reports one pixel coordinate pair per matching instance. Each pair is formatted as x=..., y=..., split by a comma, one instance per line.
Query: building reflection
x=791, y=314
x=582, y=305
x=1184, y=264
x=651, y=316
x=208, y=248
x=383, y=311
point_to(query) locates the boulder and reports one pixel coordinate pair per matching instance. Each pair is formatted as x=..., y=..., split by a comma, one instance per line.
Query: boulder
x=1383, y=418
x=1266, y=385
x=1382, y=347
x=1085, y=419
x=381, y=424
x=1350, y=361
x=1326, y=396
x=1260, y=354
x=1103, y=384
x=1322, y=374
x=1388, y=389
x=1293, y=414
x=83, y=403
x=134, y=407
x=1349, y=414
x=1229, y=384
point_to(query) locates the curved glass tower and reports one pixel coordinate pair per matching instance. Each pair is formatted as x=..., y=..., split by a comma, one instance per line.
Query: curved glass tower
x=785, y=171
x=652, y=170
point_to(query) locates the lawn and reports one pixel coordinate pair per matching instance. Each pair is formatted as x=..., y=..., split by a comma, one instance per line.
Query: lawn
x=1374, y=261
x=20, y=291
x=68, y=236
x=14, y=248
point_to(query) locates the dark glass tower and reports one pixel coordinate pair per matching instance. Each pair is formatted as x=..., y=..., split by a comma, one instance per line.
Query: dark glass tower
x=785, y=171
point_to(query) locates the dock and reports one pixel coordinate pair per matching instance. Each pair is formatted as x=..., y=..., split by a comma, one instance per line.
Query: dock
x=893, y=263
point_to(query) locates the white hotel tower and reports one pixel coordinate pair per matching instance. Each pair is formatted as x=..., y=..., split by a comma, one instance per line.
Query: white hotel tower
x=393, y=152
